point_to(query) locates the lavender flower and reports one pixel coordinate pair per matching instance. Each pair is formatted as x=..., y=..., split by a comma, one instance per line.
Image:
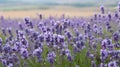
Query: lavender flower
x=69, y=57
x=51, y=57
x=4, y=32
x=104, y=44
x=103, y=65
x=112, y=64
x=24, y=53
x=109, y=16
x=10, y=65
x=10, y=31
x=7, y=48
x=103, y=54
x=1, y=41
x=4, y=62
x=40, y=16
x=102, y=9
x=116, y=37
x=37, y=52
x=93, y=64
x=20, y=26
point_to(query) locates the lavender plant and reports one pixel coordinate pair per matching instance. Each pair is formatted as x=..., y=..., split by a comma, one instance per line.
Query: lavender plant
x=61, y=41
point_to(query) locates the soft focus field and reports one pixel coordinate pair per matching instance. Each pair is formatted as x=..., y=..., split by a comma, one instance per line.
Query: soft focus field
x=56, y=11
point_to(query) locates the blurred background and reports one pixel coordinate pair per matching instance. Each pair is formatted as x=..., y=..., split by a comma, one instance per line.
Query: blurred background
x=22, y=8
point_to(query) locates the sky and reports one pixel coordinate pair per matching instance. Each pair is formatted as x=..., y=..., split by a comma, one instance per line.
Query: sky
x=59, y=1
x=78, y=2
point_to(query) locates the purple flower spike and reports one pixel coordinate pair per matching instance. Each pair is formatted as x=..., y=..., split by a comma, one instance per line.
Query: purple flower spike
x=4, y=62
x=109, y=16
x=4, y=32
x=112, y=64
x=37, y=52
x=116, y=37
x=24, y=53
x=10, y=65
x=0, y=41
x=103, y=54
x=104, y=44
x=7, y=48
x=102, y=9
x=51, y=57
x=10, y=31
x=20, y=26
x=93, y=64
x=70, y=58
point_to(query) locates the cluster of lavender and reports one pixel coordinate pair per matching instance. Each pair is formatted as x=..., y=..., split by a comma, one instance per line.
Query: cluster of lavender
x=61, y=42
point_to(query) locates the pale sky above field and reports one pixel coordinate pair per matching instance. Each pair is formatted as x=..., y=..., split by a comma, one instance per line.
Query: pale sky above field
x=59, y=1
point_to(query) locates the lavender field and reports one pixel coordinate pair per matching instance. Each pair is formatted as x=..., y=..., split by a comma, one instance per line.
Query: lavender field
x=61, y=41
